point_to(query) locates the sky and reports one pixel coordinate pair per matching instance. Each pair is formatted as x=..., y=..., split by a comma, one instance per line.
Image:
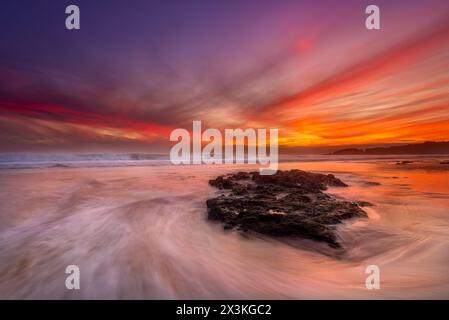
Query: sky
x=136, y=70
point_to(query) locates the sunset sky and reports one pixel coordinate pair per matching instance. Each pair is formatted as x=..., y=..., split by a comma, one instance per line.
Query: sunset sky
x=139, y=69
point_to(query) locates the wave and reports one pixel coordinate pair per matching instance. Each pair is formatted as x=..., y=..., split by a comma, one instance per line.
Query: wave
x=98, y=160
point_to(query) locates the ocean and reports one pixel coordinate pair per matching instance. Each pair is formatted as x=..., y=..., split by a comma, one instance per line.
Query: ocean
x=138, y=228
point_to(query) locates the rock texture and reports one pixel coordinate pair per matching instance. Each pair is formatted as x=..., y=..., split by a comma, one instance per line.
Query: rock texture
x=286, y=204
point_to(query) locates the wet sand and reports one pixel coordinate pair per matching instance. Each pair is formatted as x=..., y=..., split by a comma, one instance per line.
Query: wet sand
x=142, y=232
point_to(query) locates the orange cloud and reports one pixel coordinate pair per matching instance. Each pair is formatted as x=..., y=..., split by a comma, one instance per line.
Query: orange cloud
x=107, y=125
x=402, y=93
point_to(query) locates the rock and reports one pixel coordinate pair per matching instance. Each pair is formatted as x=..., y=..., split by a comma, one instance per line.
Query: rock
x=364, y=204
x=372, y=183
x=222, y=183
x=444, y=162
x=286, y=204
x=60, y=165
x=404, y=162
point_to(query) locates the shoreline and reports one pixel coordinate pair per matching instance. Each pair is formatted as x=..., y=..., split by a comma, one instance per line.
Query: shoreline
x=4, y=165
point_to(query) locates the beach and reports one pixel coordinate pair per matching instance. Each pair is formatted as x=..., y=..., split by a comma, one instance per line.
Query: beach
x=141, y=232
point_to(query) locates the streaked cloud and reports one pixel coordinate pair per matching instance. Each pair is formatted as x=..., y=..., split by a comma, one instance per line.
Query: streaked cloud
x=315, y=73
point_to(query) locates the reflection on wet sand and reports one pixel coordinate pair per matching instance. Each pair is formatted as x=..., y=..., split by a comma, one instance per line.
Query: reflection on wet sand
x=141, y=232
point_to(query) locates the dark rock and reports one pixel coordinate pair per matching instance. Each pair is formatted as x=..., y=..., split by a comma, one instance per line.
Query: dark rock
x=286, y=204
x=444, y=162
x=372, y=183
x=364, y=204
x=222, y=183
x=240, y=190
x=60, y=165
x=404, y=162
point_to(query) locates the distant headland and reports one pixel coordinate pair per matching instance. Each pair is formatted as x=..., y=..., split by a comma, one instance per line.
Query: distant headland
x=428, y=147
